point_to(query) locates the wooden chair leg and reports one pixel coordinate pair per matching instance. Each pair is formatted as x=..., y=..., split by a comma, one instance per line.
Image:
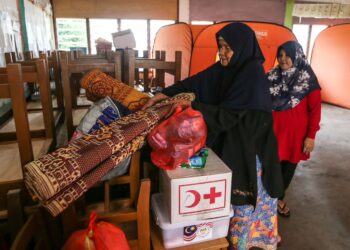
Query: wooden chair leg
x=134, y=176
x=143, y=220
x=15, y=212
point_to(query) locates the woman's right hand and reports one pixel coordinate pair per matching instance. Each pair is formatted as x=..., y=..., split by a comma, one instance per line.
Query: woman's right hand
x=157, y=98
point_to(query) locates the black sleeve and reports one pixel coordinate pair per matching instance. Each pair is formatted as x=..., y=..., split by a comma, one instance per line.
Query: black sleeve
x=198, y=84
x=217, y=118
x=189, y=84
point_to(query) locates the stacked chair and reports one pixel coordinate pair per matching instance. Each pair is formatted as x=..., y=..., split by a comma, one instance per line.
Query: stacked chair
x=72, y=70
x=67, y=69
x=132, y=69
x=16, y=152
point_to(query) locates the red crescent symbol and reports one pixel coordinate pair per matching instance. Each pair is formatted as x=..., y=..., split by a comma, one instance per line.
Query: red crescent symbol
x=197, y=198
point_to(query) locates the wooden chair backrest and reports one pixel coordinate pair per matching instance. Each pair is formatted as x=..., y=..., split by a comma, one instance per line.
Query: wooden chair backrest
x=12, y=79
x=54, y=64
x=11, y=57
x=71, y=221
x=78, y=54
x=82, y=66
x=131, y=64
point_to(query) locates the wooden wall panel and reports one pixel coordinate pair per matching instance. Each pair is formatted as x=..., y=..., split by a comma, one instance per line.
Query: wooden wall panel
x=127, y=9
x=240, y=10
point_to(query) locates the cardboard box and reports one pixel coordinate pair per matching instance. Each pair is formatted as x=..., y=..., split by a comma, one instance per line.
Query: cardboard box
x=197, y=194
x=189, y=232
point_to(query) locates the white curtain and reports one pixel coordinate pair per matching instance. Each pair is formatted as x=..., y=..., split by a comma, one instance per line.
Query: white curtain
x=10, y=33
x=39, y=24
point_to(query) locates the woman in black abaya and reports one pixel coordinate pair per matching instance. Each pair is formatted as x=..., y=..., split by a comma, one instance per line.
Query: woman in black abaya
x=233, y=96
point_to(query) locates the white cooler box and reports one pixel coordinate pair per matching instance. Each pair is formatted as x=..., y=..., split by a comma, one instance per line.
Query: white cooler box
x=190, y=232
x=197, y=194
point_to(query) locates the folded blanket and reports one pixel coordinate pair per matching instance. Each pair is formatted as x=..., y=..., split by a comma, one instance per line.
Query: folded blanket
x=66, y=196
x=98, y=85
x=59, y=178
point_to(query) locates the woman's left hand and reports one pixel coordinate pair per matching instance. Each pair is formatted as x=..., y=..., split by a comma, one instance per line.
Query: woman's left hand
x=309, y=145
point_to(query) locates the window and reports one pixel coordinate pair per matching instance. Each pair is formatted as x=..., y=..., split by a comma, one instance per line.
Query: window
x=139, y=28
x=315, y=30
x=202, y=22
x=71, y=34
x=301, y=31
x=102, y=28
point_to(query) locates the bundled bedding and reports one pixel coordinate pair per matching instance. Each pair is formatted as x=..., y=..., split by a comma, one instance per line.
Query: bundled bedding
x=61, y=177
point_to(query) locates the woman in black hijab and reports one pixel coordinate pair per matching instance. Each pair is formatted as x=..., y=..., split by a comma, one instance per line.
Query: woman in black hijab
x=233, y=96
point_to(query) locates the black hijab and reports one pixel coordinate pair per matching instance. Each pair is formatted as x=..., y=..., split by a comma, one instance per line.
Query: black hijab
x=246, y=91
x=236, y=106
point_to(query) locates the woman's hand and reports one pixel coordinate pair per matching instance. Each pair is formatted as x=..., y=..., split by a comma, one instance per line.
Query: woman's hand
x=309, y=145
x=179, y=105
x=158, y=97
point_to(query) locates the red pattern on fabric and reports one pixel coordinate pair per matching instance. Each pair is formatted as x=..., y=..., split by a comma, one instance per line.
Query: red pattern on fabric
x=59, y=178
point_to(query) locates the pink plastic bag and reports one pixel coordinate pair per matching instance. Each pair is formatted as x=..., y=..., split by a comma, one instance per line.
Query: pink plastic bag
x=176, y=139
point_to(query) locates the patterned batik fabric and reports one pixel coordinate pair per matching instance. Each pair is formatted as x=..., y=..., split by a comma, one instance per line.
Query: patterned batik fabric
x=255, y=228
x=59, y=178
x=99, y=85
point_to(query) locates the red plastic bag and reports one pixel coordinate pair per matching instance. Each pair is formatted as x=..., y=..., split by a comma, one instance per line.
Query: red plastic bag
x=176, y=139
x=98, y=236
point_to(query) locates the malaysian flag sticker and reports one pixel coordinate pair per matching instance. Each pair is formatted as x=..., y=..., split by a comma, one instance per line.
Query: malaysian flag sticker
x=198, y=232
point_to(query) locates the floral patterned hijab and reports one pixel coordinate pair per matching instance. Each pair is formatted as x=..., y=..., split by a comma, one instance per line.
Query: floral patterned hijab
x=289, y=87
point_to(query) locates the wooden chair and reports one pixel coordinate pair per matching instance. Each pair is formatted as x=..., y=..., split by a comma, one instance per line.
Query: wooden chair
x=70, y=67
x=12, y=57
x=53, y=65
x=16, y=153
x=131, y=66
x=40, y=120
x=33, y=234
x=72, y=221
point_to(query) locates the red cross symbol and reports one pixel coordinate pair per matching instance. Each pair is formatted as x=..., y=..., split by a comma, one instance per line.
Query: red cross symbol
x=212, y=195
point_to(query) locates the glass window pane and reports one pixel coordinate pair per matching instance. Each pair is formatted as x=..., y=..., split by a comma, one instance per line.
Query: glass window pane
x=102, y=28
x=316, y=29
x=139, y=28
x=71, y=34
x=201, y=22
x=301, y=31
x=156, y=25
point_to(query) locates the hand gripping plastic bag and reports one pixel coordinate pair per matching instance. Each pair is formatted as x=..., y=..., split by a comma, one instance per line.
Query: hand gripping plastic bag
x=98, y=236
x=176, y=139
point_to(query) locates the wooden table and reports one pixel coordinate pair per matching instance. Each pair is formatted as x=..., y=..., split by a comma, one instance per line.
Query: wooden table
x=157, y=242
